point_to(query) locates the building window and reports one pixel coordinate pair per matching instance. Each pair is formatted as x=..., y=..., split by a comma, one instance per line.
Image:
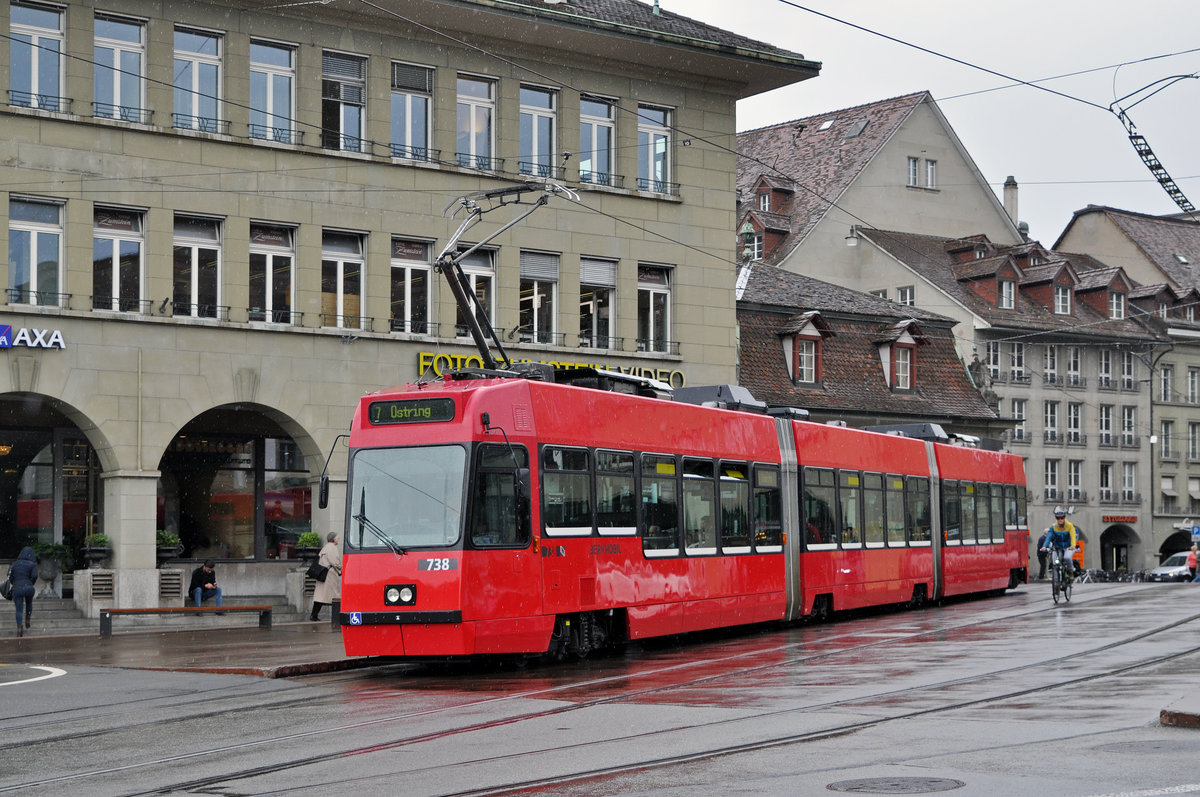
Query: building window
x=119, y=54
x=412, y=90
x=1129, y=482
x=1018, y=363
x=35, y=62
x=1170, y=497
x=343, y=101
x=35, y=238
x=1051, y=480
x=476, y=106
x=410, y=286
x=1194, y=441
x=1116, y=305
x=1062, y=300
x=597, y=283
x=1018, y=414
x=197, y=268
x=882, y=293
x=1166, y=383
x=341, y=279
x=903, y=367
x=1166, y=435
x=117, y=260
x=1194, y=495
x=654, y=308
x=914, y=172
x=479, y=269
x=1050, y=410
x=993, y=359
x=539, y=285
x=1074, y=423
x=1104, y=424
x=906, y=295
x=272, y=274
x=1050, y=365
x=1104, y=368
x=1075, y=480
x=1106, y=482
x=931, y=174
x=1193, y=386
x=654, y=149
x=197, y=81
x=272, y=92
x=596, y=140
x=1008, y=294
x=538, y=114
x=806, y=358
x=1128, y=426
x=1128, y=371
x=1075, y=366
x=764, y=201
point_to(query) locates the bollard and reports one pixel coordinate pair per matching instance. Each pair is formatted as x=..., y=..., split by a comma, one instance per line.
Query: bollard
x=335, y=618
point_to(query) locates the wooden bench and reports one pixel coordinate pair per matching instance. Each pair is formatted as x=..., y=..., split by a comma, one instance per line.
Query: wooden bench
x=264, y=614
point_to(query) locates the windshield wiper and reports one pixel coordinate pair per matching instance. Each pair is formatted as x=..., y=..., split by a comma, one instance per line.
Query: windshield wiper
x=378, y=532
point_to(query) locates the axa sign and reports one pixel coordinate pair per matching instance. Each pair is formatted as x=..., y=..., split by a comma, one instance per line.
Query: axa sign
x=32, y=338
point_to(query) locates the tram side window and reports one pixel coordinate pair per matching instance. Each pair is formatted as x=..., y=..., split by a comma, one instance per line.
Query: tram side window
x=968, y=512
x=615, y=503
x=997, y=513
x=850, y=496
x=1022, y=508
x=496, y=518
x=820, y=503
x=1011, y=512
x=566, y=491
x=733, y=482
x=660, y=505
x=873, y=518
x=895, y=510
x=918, y=509
x=699, y=507
x=983, y=513
x=768, y=508
x=951, y=512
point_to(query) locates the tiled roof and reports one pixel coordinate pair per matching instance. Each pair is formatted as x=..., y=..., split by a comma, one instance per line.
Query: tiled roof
x=926, y=255
x=824, y=162
x=1043, y=273
x=983, y=267
x=1092, y=279
x=853, y=381
x=1161, y=239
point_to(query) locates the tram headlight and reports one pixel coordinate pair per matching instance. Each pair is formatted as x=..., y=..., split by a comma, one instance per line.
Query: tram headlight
x=400, y=594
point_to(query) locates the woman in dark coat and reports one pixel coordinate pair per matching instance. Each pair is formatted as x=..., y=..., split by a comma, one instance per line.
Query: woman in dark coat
x=23, y=573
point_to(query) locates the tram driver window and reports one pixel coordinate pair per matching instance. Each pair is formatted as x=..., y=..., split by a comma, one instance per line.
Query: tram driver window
x=497, y=518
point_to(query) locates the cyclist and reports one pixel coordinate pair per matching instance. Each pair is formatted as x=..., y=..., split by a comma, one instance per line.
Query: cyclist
x=1060, y=540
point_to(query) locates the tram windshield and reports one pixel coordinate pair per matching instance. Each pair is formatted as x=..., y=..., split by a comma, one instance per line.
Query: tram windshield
x=406, y=497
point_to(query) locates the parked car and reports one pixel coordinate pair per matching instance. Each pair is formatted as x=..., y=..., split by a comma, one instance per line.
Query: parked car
x=1173, y=568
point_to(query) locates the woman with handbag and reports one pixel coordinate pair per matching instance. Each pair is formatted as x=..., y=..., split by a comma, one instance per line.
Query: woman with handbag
x=23, y=573
x=329, y=590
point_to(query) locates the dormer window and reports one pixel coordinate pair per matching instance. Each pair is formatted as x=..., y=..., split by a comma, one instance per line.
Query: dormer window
x=1190, y=312
x=980, y=253
x=1034, y=259
x=1062, y=300
x=903, y=365
x=898, y=355
x=764, y=201
x=1116, y=305
x=1008, y=294
x=806, y=359
x=1162, y=309
x=802, y=346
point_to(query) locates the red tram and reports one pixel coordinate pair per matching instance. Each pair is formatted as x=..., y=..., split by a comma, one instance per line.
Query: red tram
x=490, y=515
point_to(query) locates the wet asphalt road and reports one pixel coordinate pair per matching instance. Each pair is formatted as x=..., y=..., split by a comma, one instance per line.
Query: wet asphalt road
x=1000, y=696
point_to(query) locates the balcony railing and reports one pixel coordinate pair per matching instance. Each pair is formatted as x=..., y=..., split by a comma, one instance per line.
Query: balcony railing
x=1019, y=436
x=1076, y=496
x=545, y=170
x=1075, y=380
x=1051, y=437
x=38, y=298
x=483, y=163
x=415, y=153
x=204, y=124
x=1052, y=494
x=601, y=342
x=1076, y=438
x=542, y=336
x=1019, y=378
x=413, y=327
x=602, y=178
x=1130, y=497
x=1130, y=441
x=1051, y=378
x=42, y=102
x=1105, y=383
x=284, y=135
x=354, y=322
x=218, y=311
x=1108, y=497
x=123, y=113
x=288, y=317
x=121, y=305
x=1106, y=440
x=661, y=346
x=658, y=186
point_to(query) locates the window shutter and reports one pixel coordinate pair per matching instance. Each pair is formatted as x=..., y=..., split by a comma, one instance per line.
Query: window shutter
x=412, y=78
x=344, y=66
x=598, y=272
x=539, y=265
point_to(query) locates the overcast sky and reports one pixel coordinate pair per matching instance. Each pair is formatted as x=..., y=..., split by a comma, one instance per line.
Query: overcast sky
x=1065, y=154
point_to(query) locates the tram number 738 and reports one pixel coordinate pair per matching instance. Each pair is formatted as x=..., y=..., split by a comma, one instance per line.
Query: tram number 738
x=439, y=563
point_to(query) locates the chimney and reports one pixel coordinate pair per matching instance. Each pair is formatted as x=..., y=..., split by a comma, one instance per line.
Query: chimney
x=1010, y=198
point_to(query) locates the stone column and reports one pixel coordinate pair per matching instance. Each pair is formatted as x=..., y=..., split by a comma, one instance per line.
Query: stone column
x=130, y=512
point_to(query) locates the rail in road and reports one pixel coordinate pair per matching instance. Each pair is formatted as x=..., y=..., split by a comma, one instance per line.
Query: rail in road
x=666, y=709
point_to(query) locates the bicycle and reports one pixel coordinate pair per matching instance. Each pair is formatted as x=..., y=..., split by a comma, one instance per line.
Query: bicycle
x=1061, y=575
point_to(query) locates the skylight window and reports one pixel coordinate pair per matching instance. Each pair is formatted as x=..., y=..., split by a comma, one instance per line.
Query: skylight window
x=856, y=129
x=1181, y=258
x=828, y=123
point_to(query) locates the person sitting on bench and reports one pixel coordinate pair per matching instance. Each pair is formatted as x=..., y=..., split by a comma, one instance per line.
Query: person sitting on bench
x=204, y=584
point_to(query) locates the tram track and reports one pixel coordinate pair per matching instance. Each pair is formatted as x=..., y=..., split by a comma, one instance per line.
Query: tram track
x=627, y=696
